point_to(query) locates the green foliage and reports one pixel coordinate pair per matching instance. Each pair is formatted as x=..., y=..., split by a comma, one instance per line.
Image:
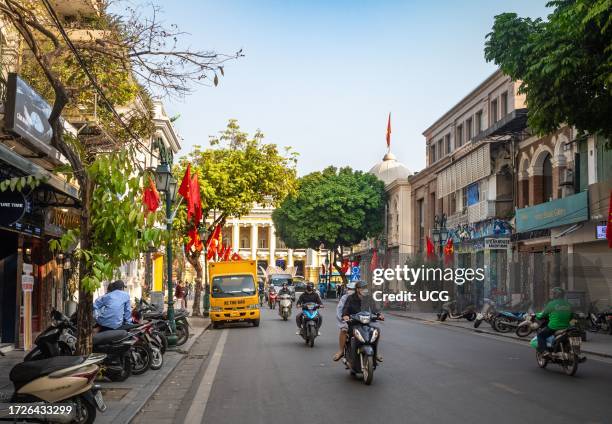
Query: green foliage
x=19, y=183
x=332, y=208
x=564, y=64
x=238, y=171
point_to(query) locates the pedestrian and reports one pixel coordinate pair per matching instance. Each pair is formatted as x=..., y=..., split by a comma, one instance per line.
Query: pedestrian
x=179, y=293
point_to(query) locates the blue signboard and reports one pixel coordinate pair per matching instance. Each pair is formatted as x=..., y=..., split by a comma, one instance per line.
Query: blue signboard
x=569, y=210
x=355, y=273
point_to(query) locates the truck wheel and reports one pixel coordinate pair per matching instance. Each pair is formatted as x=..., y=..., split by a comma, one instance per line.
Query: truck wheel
x=255, y=323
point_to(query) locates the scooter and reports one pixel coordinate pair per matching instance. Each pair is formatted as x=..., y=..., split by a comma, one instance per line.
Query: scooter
x=599, y=321
x=272, y=296
x=146, y=311
x=360, y=349
x=447, y=312
x=528, y=326
x=563, y=348
x=310, y=316
x=62, y=379
x=487, y=313
x=284, y=306
x=59, y=340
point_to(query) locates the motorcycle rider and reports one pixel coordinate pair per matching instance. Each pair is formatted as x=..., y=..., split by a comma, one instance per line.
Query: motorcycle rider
x=342, y=325
x=358, y=302
x=261, y=290
x=284, y=290
x=309, y=296
x=113, y=309
x=559, y=313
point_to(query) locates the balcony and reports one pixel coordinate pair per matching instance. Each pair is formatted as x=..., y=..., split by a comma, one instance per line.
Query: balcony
x=76, y=7
x=480, y=211
x=457, y=219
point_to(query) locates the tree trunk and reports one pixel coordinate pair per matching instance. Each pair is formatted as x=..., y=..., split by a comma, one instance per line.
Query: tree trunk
x=85, y=318
x=194, y=260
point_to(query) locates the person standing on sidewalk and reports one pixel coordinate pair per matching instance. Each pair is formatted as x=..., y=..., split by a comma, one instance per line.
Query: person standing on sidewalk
x=179, y=293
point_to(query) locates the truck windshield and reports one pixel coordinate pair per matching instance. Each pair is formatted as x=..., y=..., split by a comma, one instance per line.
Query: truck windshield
x=280, y=280
x=233, y=285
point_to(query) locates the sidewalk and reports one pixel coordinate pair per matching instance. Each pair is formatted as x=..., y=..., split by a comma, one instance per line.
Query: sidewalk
x=596, y=344
x=124, y=399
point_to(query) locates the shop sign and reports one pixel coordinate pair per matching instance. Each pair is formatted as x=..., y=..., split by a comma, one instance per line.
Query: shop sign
x=12, y=207
x=497, y=243
x=27, y=113
x=556, y=213
x=601, y=232
x=27, y=280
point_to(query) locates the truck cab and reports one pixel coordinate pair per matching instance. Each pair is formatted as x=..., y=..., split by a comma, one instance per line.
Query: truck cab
x=233, y=292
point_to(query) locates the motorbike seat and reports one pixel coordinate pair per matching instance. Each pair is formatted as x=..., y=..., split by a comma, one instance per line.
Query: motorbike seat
x=25, y=372
x=109, y=336
x=560, y=332
x=129, y=327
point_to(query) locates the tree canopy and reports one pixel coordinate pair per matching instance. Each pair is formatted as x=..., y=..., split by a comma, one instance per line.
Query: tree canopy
x=564, y=64
x=332, y=208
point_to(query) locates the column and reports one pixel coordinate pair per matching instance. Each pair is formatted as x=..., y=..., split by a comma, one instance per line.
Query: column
x=272, y=244
x=235, y=236
x=254, y=236
x=289, y=257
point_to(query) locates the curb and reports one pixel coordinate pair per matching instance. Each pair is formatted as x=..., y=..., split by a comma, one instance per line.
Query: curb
x=140, y=403
x=475, y=330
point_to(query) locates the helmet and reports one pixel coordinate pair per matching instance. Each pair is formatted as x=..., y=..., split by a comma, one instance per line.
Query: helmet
x=309, y=287
x=557, y=292
x=361, y=284
x=284, y=285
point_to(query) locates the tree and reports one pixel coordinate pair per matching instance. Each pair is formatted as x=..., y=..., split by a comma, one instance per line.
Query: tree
x=564, y=64
x=76, y=73
x=235, y=173
x=333, y=208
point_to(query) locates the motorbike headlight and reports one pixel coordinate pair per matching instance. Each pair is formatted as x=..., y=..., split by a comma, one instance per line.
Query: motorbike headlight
x=374, y=335
x=359, y=336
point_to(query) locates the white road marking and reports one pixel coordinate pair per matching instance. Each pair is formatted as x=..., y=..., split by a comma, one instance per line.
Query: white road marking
x=506, y=388
x=198, y=406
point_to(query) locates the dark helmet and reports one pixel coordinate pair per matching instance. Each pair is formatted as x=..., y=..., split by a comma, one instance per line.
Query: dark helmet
x=309, y=287
x=557, y=292
x=361, y=284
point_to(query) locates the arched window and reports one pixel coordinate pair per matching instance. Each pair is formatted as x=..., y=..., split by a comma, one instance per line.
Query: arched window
x=547, y=179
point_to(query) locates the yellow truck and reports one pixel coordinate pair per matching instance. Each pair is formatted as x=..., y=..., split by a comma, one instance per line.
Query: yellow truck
x=233, y=294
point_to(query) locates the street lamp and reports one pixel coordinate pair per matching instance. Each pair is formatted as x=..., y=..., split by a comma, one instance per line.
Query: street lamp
x=165, y=182
x=206, y=300
x=440, y=232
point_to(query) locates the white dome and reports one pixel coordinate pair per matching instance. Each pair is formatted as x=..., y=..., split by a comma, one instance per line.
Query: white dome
x=390, y=169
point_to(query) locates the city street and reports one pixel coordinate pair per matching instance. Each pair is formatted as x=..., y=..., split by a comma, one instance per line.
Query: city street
x=431, y=373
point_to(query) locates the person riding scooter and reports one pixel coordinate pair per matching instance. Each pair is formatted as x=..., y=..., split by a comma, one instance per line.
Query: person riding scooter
x=342, y=325
x=284, y=290
x=113, y=309
x=358, y=302
x=559, y=313
x=309, y=296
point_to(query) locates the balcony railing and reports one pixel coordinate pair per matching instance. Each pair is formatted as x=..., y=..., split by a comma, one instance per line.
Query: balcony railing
x=480, y=211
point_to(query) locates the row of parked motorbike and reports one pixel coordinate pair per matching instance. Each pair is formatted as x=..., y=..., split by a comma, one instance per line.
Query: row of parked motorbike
x=51, y=372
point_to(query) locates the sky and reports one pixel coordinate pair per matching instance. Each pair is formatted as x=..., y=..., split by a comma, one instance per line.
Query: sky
x=321, y=76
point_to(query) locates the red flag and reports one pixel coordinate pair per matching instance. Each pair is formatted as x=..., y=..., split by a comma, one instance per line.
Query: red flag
x=150, y=197
x=345, y=266
x=430, y=247
x=213, y=241
x=374, y=261
x=226, y=256
x=236, y=257
x=185, y=191
x=609, y=226
x=194, y=240
x=389, y=131
x=194, y=188
x=449, y=250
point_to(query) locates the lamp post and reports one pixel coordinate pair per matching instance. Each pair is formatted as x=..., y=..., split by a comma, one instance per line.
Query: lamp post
x=164, y=181
x=440, y=232
x=205, y=300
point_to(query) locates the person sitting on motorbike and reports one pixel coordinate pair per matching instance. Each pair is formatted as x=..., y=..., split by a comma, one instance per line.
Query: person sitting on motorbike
x=342, y=325
x=284, y=290
x=361, y=301
x=559, y=313
x=113, y=309
x=309, y=296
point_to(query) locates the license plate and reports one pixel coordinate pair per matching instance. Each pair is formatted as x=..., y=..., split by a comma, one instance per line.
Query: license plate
x=575, y=341
x=100, y=401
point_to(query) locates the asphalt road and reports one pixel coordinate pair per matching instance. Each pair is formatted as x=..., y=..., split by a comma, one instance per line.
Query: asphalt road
x=430, y=374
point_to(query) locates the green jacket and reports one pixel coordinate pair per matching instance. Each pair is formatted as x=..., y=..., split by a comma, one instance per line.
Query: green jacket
x=559, y=314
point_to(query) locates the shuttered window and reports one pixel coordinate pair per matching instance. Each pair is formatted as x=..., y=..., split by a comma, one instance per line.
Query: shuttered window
x=464, y=172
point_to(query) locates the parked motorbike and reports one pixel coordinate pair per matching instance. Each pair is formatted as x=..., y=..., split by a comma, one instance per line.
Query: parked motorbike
x=284, y=306
x=360, y=350
x=599, y=321
x=448, y=312
x=146, y=344
x=145, y=311
x=59, y=340
x=65, y=379
x=487, y=313
x=564, y=348
x=308, y=330
x=528, y=326
x=272, y=296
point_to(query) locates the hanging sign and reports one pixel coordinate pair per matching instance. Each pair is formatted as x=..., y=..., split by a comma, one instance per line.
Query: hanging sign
x=12, y=207
x=27, y=280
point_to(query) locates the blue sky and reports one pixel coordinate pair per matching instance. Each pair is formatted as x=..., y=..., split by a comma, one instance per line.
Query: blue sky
x=321, y=76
